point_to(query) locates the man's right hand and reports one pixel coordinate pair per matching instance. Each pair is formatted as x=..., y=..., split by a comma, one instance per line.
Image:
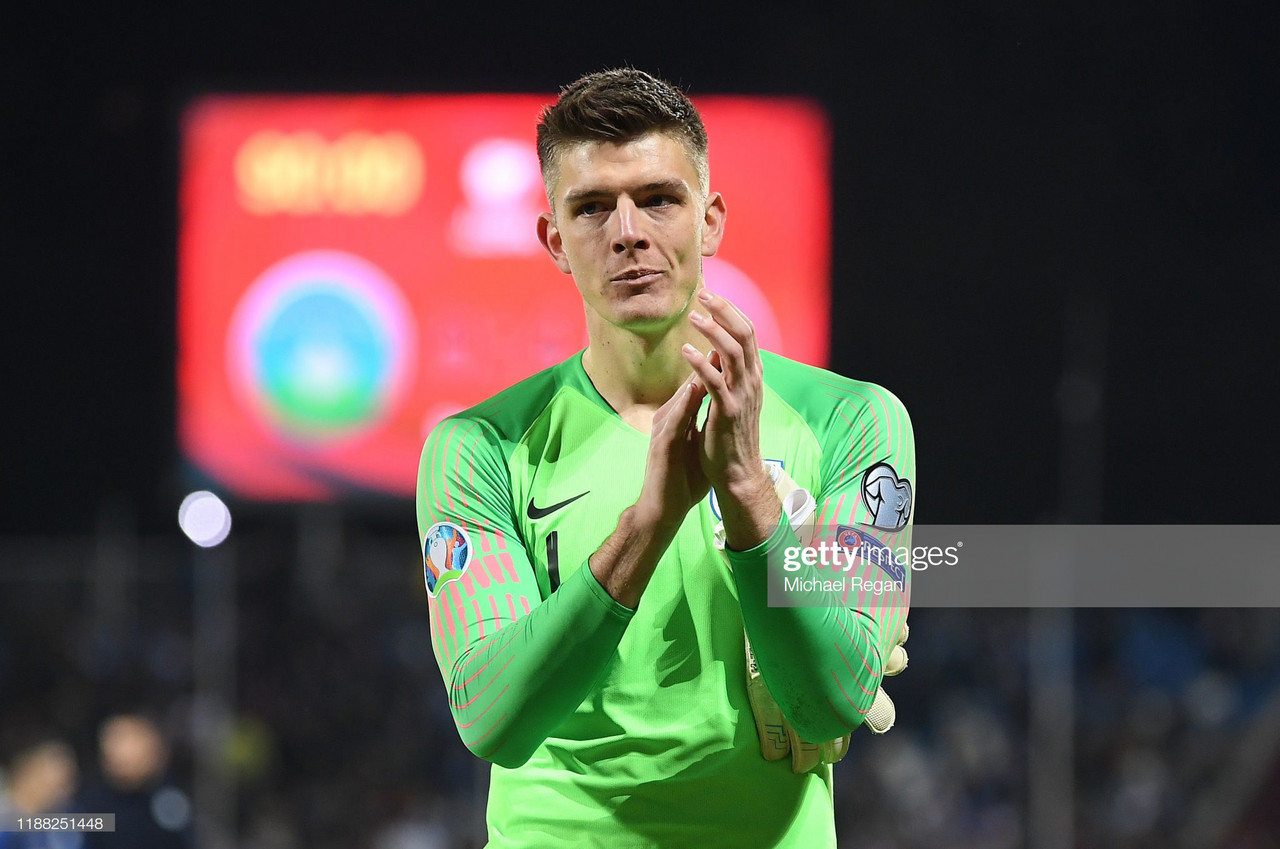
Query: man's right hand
x=673, y=477
x=673, y=483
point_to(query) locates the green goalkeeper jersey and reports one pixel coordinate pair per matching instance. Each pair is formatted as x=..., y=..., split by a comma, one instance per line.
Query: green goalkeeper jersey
x=621, y=728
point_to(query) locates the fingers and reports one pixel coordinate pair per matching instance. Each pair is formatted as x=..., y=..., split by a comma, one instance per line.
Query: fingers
x=722, y=341
x=729, y=330
x=734, y=361
x=674, y=418
x=881, y=716
x=677, y=399
x=704, y=368
x=728, y=316
x=897, y=661
x=687, y=418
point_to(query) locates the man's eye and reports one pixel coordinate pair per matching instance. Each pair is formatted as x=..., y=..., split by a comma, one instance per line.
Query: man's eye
x=589, y=208
x=661, y=200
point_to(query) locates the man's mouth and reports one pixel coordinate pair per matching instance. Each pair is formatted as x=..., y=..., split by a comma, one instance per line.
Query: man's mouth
x=636, y=275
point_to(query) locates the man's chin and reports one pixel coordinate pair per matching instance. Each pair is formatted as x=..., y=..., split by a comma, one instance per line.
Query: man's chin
x=645, y=313
x=645, y=321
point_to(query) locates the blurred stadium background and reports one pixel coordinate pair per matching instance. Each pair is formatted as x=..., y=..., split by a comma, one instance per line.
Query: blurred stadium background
x=1055, y=235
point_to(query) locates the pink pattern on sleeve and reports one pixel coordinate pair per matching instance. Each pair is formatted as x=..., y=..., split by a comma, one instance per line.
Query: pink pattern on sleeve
x=509, y=566
x=459, y=611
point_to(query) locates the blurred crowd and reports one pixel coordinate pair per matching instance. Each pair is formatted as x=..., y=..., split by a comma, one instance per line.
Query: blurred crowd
x=131, y=782
x=340, y=735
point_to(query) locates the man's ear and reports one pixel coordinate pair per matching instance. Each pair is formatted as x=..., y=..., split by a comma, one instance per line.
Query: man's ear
x=549, y=236
x=713, y=224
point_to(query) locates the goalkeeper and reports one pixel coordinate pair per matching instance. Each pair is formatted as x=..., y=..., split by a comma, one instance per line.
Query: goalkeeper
x=595, y=538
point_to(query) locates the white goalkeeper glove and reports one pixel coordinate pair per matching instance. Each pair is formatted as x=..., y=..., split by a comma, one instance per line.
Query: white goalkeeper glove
x=777, y=737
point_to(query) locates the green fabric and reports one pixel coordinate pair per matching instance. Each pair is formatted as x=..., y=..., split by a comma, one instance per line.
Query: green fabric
x=633, y=729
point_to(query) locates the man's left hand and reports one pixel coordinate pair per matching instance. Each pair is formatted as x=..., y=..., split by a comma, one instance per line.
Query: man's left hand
x=734, y=378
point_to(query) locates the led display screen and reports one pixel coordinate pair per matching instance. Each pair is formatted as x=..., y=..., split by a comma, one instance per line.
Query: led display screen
x=354, y=268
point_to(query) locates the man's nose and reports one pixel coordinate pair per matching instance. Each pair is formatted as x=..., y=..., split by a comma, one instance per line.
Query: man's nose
x=629, y=232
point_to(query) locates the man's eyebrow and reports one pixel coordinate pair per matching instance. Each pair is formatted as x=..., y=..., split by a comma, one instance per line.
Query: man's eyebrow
x=675, y=187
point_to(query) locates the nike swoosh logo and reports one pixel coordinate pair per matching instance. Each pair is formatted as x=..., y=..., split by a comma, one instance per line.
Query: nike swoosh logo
x=536, y=513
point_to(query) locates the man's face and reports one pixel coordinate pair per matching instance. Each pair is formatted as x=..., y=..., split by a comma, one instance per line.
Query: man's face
x=630, y=224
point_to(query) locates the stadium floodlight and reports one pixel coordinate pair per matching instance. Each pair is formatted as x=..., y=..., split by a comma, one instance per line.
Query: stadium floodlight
x=204, y=518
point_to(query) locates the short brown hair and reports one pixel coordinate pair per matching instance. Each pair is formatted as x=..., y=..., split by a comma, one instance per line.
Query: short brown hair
x=619, y=105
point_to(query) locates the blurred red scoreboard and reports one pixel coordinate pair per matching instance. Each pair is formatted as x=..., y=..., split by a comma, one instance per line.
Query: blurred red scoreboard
x=354, y=268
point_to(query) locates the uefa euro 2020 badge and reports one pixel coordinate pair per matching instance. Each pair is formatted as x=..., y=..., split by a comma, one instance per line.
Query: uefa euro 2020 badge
x=446, y=554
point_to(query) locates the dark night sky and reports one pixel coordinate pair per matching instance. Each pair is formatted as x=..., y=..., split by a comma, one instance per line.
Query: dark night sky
x=995, y=166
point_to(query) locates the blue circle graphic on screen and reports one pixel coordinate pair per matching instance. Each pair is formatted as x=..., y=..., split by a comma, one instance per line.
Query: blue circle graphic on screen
x=321, y=344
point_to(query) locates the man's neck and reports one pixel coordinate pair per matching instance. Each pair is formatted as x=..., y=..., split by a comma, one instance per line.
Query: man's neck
x=636, y=373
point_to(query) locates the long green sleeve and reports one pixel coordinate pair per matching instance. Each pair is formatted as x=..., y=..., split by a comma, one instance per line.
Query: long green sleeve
x=513, y=670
